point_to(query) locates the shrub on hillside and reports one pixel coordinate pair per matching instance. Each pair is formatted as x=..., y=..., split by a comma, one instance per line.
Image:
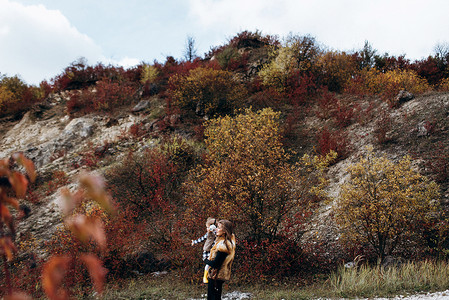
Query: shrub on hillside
x=329, y=106
x=382, y=127
x=79, y=75
x=444, y=85
x=333, y=140
x=385, y=204
x=107, y=96
x=388, y=84
x=147, y=184
x=125, y=237
x=230, y=59
x=299, y=54
x=206, y=91
x=16, y=96
x=385, y=63
x=335, y=69
x=431, y=69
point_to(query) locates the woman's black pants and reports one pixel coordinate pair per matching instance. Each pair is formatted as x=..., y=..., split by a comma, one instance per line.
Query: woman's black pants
x=214, y=288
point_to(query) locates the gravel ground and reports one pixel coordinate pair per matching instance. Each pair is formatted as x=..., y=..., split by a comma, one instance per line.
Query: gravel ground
x=428, y=296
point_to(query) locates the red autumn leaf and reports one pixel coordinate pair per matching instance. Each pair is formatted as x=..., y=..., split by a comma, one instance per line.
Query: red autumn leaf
x=11, y=201
x=3, y=171
x=96, y=270
x=94, y=186
x=27, y=164
x=52, y=276
x=86, y=228
x=7, y=248
x=19, y=184
x=6, y=217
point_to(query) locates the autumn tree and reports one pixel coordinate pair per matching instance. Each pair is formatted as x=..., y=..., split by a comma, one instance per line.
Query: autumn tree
x=249, y=178
x=384, y=203
x=335, y=69
x=298, y=54
x=207, y=91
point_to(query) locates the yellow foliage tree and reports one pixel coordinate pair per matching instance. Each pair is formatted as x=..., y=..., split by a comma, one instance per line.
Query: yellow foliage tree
x=249, y=178
x=384, y=203
x=207, y=91
x=149, y=74
x=298, y=54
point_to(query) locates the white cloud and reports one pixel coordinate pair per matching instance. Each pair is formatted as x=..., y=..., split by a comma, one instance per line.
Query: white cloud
x=409, y=27
x=127, y=62
x=37, y=43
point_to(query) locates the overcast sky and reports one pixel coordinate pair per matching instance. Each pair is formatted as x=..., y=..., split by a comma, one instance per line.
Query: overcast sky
x=39, y=38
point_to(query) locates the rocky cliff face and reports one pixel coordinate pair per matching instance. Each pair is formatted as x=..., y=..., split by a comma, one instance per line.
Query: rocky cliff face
x=54, y=141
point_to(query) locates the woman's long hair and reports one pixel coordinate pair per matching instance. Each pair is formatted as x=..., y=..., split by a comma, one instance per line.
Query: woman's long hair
x=228, y=229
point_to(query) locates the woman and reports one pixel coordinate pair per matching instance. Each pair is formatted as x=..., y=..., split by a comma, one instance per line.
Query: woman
x=220, y=259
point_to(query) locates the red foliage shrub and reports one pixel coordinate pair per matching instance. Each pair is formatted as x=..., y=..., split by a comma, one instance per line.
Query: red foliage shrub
x=199, y=132
x=267, y=260
x=77, y=76
x=389, y=63
x=111, y=94
x=80, y=76
x=382, y=126
x=301, y=88
x=429, y=69
x=63, y=242
x=33, y=197
x=333, y=140
x=343, y=114
x=148, y=184
x=266, y=97
x=107, y=96
x=326, y=103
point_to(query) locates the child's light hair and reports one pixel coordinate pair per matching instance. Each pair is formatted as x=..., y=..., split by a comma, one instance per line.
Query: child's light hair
x=210, y=221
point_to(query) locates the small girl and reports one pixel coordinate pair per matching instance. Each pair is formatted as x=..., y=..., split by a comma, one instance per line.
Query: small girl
x=209, y=238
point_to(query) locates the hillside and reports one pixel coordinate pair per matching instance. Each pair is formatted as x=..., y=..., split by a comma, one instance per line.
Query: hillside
x=56, y=142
